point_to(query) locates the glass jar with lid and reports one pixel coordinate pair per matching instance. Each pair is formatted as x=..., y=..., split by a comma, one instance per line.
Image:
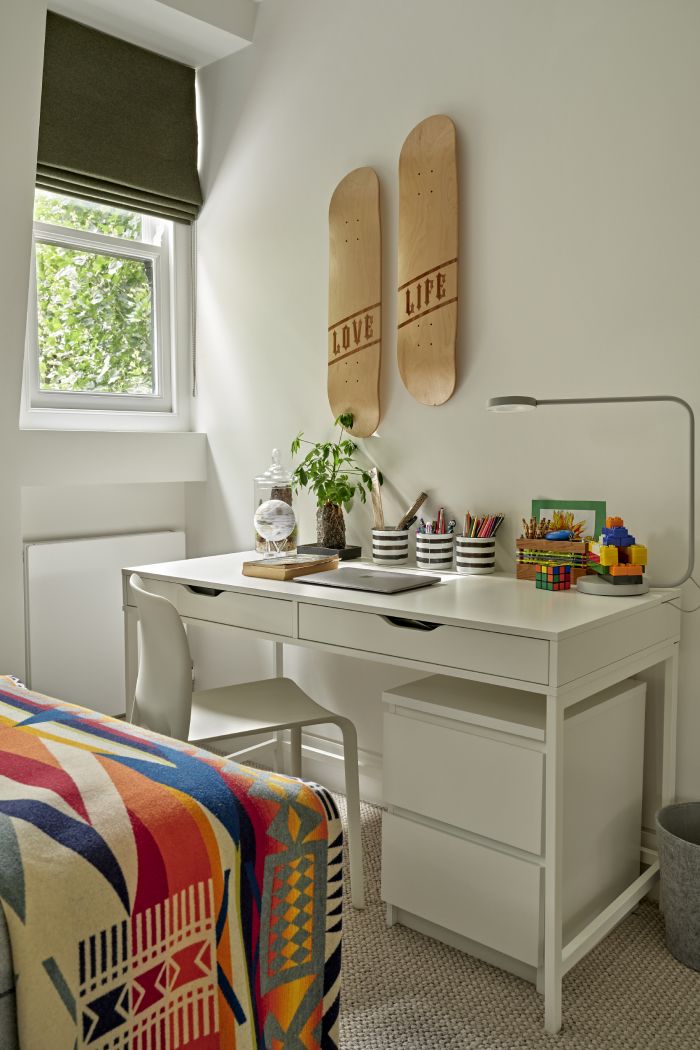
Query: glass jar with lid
x=274, y=483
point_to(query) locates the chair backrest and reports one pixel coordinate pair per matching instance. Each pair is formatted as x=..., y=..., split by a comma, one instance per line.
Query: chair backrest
x=163, y=697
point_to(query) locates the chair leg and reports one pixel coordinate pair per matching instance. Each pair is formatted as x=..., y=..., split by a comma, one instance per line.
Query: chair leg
x=295, y=733
x=352, y=791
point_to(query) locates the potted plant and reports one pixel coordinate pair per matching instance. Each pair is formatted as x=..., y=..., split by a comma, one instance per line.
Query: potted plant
x=332, y=473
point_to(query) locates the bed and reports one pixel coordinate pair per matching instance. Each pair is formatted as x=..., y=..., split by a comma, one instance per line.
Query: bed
x=154, y=896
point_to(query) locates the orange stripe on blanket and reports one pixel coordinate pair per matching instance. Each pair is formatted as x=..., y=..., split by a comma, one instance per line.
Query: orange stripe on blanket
x=159, y=809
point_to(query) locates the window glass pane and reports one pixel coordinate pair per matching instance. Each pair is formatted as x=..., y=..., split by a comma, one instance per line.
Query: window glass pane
x=96, y=218
x=95, y=321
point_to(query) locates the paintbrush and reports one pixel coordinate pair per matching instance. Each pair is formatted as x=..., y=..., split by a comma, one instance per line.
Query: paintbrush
x=412, y=511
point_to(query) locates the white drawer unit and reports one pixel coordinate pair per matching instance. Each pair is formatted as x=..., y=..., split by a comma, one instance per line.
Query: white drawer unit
x=484, y=652
x=463, y=836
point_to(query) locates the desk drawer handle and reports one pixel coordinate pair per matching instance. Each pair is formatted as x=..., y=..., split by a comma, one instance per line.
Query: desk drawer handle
x=411, y=625
x=208, y=592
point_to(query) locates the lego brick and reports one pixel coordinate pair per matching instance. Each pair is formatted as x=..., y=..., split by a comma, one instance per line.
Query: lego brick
x=608, y=555
x=625, y=581
x=617, y=538
x=638, y=554
x=625, y=570
x=614, y=523
x=602, y=570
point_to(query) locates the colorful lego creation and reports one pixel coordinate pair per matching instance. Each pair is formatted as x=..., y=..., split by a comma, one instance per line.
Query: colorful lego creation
x=553, y=577
x=617, y=556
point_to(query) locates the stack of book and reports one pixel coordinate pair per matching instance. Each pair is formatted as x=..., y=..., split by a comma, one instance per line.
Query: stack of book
x=288, y=566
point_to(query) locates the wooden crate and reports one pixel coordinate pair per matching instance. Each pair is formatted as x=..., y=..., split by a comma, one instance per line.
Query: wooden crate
x=528, y=570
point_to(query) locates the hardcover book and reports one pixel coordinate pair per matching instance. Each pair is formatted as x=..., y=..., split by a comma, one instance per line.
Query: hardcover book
x=287, y=566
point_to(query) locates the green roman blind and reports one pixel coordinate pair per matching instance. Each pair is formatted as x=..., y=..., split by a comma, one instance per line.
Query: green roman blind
x=118, y=123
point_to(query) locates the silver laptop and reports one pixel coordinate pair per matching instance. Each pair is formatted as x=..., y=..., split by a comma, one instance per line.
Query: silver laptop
x=369, y=580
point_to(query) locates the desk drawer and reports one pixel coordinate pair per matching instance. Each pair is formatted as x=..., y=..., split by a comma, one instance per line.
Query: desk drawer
x=486, y=652
x=269, y=615
x=490, y=787
x=478, y=892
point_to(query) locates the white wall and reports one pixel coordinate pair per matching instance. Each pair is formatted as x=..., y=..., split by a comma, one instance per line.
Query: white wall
x=58, y=484
x=580, y=234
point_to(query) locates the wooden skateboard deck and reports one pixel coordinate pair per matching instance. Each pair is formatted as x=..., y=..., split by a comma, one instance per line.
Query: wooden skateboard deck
x=354, y=300
x=428, y=254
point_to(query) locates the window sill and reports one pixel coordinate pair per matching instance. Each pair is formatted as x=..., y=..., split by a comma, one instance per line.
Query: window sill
x=100, y=420
x=74, y=457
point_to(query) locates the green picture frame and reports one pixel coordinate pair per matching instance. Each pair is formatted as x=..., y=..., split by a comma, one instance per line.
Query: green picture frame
x=595, y=510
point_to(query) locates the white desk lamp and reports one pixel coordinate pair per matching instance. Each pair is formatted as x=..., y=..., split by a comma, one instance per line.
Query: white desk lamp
x=597, y=584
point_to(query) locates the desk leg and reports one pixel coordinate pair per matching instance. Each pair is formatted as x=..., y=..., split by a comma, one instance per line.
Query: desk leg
x=670, y=729
x=278, y=672
x=554, y=853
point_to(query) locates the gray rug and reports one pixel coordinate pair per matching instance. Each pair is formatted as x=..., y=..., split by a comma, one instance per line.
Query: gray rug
x=403, y=990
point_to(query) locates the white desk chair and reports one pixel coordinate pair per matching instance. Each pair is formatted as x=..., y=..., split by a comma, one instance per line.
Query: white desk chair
x=165, y=703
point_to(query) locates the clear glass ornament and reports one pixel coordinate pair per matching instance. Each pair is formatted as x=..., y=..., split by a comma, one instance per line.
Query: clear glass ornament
x=274, y=484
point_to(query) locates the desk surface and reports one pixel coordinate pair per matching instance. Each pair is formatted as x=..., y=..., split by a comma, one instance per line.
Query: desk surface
x=497, y=602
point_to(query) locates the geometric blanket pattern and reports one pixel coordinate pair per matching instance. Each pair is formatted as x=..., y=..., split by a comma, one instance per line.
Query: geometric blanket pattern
x=154, y=896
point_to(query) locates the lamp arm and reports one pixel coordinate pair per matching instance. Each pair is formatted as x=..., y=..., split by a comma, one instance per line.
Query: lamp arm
x=691, y=423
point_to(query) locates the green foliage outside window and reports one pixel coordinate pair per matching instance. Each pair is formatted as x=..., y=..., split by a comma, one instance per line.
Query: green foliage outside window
x=94, y=310
x=85, y=215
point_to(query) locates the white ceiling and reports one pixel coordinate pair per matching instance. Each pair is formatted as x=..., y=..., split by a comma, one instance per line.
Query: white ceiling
x=196, y=32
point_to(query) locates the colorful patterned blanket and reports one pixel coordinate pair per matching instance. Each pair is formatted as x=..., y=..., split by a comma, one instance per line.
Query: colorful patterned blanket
x=154, y=896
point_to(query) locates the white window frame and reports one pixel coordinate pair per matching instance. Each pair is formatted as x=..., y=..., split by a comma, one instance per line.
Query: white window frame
x=165, y=408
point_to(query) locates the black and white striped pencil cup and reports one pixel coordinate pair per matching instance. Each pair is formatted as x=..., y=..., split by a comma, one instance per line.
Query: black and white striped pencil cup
x=390, y=546
x=476, y=556
x=434, y=550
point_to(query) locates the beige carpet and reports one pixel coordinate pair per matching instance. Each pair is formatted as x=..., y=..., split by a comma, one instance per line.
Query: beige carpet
x=402, y=990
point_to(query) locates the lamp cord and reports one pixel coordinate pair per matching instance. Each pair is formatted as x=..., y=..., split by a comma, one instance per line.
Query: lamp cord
x=678, y=606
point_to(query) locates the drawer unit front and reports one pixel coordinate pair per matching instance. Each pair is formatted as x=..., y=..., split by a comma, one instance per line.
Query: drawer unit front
x=486, y=652
x=270, y=615
x=475, y=891
x=489, y=787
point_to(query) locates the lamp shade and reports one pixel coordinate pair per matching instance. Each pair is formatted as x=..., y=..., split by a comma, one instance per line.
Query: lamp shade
x=514, y=403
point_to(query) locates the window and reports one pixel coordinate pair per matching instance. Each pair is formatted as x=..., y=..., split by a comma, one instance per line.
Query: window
x=99, y=325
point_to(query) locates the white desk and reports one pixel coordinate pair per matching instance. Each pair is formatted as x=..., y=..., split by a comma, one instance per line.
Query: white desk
x=485, y=628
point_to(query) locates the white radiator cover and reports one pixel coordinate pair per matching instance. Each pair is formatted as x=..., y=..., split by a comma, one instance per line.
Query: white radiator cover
x=73, y=609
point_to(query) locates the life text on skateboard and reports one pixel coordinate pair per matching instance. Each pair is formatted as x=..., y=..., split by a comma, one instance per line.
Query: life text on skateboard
x=427, y=292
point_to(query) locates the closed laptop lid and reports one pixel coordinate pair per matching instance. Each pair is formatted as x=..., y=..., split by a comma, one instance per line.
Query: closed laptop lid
x=375, y=580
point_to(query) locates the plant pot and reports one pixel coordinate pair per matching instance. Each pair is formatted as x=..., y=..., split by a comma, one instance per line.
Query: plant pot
x=330, y=526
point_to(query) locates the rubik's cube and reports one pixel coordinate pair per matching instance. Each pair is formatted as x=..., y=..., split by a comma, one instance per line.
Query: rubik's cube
x=553, y=577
